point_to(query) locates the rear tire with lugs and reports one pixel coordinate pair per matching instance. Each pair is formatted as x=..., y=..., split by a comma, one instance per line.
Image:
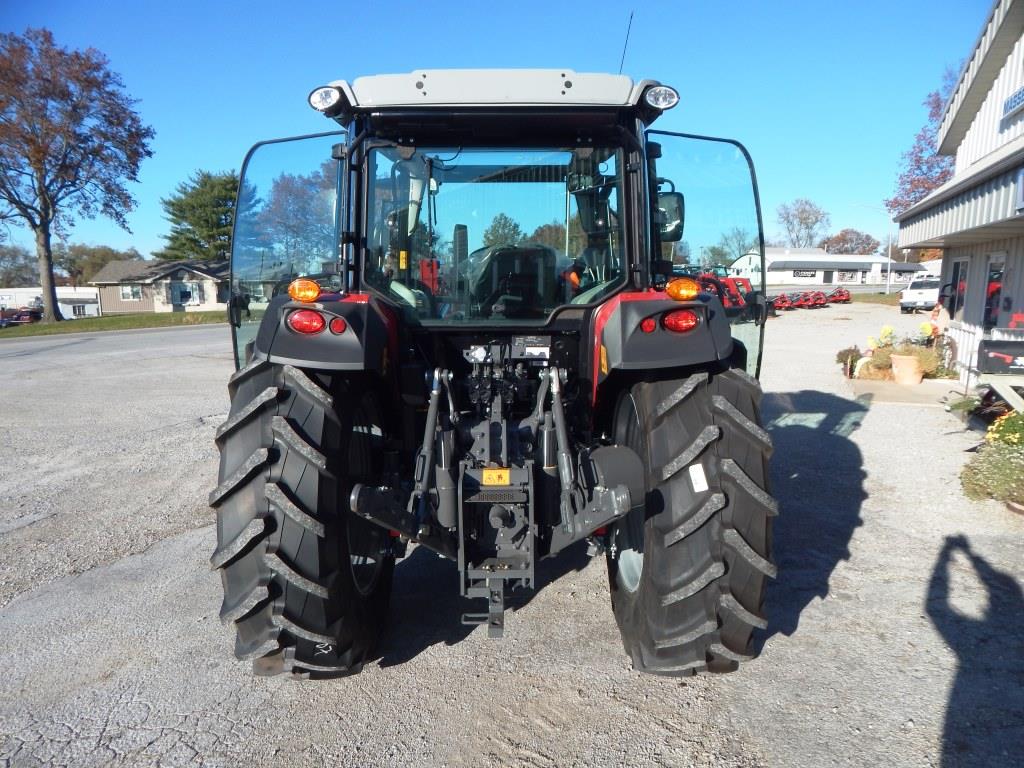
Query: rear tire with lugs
x=689, y=567
x=306, y=582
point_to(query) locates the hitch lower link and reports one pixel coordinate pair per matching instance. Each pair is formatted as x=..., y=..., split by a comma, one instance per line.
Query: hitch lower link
x=480, y=510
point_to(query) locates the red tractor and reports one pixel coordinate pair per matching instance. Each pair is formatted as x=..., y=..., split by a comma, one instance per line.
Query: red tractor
x=472, y=342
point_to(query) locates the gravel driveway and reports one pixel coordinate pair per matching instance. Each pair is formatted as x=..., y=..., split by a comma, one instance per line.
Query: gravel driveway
x=896, y=635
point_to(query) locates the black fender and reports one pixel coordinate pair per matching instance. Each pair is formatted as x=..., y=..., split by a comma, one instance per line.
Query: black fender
x=368, y=343
x=619, y=343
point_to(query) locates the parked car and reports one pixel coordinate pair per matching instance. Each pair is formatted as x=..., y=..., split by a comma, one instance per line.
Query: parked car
x=22, y=316
x=922, y=293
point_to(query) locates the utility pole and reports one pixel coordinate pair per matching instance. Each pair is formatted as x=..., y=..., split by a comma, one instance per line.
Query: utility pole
x=889, y=245
x=888, y=271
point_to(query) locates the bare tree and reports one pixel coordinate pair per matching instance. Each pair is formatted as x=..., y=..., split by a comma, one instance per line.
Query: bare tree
x=737, y=242
x=299, y=220
x=69, y=141
x=16, y=267
x=805, y=223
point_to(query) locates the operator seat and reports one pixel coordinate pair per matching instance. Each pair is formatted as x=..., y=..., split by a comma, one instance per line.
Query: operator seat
x=521, y=278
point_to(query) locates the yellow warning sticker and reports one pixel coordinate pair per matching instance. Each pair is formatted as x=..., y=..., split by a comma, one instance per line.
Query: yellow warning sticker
x=604, y=359
x=403, y=259
x=497, y=477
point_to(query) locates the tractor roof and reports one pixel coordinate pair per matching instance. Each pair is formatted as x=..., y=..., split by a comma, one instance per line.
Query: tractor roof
x=492, y=87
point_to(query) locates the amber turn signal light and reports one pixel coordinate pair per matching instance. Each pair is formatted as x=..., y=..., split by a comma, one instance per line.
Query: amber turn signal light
x=683, y=288
x=304, y=290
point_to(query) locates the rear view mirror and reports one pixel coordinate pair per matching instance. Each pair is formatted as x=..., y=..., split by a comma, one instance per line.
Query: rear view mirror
x=671, y=215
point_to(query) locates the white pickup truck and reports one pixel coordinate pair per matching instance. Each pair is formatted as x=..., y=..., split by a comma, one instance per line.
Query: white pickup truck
x=922, y=293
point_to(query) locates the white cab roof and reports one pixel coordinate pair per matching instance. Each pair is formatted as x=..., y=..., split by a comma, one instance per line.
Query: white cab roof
x=483, y=87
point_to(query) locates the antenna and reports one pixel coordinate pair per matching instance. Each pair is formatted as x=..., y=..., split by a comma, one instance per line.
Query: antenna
x=626, y=43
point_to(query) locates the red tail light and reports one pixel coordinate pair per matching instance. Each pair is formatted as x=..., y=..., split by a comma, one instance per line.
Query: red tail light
x=306, y=321
x=681, y=320
x=338, y=325
x=648, y=324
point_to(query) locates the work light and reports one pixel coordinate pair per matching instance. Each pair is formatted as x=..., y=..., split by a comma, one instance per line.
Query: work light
x=325, y=98
x=661, y=97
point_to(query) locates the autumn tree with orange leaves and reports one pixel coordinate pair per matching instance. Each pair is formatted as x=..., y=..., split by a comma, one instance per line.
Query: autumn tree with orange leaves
x=850, y=241
x=923, y=168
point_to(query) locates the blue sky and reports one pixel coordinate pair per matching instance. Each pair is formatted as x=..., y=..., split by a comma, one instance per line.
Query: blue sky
x=826, y=96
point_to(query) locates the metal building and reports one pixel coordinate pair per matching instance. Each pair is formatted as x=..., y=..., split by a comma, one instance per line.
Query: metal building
x=815, y=266
x=977, y=217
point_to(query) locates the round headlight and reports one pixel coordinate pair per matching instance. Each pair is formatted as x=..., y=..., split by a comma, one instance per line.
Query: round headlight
x=323, y=99
x=661, y=97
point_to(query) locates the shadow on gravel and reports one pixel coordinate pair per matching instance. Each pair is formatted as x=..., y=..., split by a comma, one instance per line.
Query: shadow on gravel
x=985, y=714
x=817, y=476
x=426, y=608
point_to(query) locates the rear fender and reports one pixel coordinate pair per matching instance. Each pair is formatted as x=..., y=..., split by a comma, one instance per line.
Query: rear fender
x=620, y=344
x=368, y=343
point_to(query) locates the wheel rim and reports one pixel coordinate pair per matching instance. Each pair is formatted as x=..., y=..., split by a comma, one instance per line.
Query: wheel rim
x=629, y=533
x=367, y=543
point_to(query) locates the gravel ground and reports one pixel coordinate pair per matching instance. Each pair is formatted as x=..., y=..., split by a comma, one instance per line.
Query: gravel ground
x=889, y=642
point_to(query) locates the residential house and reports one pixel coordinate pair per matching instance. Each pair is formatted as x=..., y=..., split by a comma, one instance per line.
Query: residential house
x=129, y=287
x=977, y=217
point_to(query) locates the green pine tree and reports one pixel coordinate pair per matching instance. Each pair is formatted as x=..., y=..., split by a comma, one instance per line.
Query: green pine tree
x=200, y=213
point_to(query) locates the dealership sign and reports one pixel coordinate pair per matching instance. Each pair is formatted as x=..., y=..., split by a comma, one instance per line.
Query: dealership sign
x=1014, y=103
x=804, y=273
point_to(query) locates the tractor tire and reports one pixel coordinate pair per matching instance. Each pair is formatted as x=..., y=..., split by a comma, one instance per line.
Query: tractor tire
x=688, y=567
x=306, y=582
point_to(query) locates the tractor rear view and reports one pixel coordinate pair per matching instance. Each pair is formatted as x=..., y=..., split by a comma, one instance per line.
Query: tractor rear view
x=457, y=327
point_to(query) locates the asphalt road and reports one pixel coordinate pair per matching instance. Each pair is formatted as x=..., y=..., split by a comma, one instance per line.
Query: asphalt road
x=890, y=643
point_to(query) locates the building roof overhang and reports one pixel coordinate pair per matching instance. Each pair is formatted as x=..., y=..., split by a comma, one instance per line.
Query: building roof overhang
x=998, y=36
x=969, y=208
x=841, y=266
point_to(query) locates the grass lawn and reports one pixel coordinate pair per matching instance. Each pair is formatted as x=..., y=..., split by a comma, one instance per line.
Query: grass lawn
x=115, y=323
x=892, y=299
